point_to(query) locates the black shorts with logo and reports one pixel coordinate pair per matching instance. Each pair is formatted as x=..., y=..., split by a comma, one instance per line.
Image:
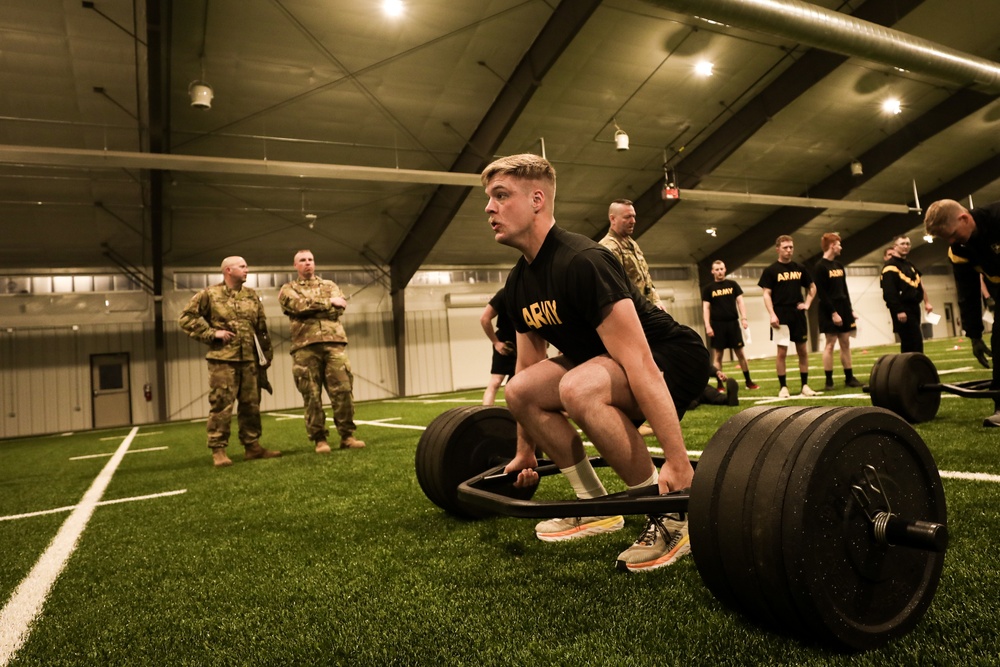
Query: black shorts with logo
x=728, y=335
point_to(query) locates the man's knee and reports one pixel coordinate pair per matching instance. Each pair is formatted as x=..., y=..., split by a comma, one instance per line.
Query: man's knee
x=515, y=394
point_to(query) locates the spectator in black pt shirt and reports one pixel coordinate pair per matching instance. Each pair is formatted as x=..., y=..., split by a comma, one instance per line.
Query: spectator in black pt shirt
x=902, y=291
x=837, y=319
x=974, y=250
x=504, y=345
x=726, y=318
x=622, y=360
x=783, y=283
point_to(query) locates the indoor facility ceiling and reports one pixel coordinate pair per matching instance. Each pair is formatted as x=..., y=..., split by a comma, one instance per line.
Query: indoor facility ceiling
x=103, y=155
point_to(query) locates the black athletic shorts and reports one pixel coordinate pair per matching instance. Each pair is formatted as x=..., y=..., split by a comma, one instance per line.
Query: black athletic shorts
x=827, y=326
x=503, y=364
x=728, y=335
x=795, y=319
x=686, y=367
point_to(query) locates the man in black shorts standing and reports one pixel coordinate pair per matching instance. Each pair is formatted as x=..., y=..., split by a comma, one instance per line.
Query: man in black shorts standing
x=504, y=345
x=725, y=318
x=836, y=315
x=974, y=248
x=783, y=283
x=623, y=360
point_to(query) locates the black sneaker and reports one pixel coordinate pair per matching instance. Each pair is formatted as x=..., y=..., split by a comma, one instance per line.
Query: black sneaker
x=853, y=382
x=828, y=386
x=732, y=390
x=993, y=420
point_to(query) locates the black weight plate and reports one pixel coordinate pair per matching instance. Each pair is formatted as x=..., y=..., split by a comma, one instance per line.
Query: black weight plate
x=850, y=590
x=878, y=383
x=763, y=521
x=703, y=502
x=734, y=509
x=460, y=444
x=908, y=373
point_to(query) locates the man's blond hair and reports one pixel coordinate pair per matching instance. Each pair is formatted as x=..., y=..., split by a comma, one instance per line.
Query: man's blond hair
x=525, y=166
x=940, y=214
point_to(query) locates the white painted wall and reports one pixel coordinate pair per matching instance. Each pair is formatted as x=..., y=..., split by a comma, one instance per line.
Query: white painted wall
x=45, y=361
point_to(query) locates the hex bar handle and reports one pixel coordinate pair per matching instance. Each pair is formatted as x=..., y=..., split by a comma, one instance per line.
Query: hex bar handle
x=476, y=492
x=969, y=389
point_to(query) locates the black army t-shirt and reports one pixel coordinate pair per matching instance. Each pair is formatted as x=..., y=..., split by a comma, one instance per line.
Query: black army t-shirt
x=786, y=282
x=562, y=293
x=721, y=297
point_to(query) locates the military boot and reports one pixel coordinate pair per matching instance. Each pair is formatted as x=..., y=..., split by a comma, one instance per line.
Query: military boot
x=322, y=447
x=255, y=451
x=350, y=442
x=219, y=458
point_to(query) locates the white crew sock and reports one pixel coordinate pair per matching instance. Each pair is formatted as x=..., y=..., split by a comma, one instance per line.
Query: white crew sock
x=583, y=478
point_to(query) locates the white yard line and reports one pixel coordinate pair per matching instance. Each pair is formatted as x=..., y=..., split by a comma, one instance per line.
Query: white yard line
x=28, y=599
x=28, y=515
x=101, y=456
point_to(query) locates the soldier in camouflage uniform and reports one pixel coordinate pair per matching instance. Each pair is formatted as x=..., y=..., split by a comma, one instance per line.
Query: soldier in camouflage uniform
x=319, y=352
x=227, y=317
x=620, y=242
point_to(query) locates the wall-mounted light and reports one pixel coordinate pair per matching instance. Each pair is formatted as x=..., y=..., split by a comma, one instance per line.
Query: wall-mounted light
x=621, y=139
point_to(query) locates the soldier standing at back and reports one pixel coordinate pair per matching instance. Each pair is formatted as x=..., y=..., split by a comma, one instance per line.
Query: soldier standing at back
x=619, y=241
x=319, y=352
x=228, y=317
x=903, y=292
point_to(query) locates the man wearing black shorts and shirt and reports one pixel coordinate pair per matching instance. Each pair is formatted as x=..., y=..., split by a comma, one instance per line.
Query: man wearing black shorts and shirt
x=623, y=360
x=837, y=319
x=504, y=345
x=725, y=318
x=974, y=250
x=783, y=283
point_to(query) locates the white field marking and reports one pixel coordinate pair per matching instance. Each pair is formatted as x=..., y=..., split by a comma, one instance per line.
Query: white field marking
x=101, y=456
x=972, y=476
x=362, y=422
x=428, y=401
x=151, y=496
x=138, y=435
x=28, y=599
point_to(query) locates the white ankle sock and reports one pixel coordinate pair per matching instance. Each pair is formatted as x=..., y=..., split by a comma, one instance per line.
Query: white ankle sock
x=653, y=479
x=583, y=478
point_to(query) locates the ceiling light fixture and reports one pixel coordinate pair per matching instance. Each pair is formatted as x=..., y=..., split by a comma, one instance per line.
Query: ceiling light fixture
x=928, y=238
x=621, y=139
x=892, y=106
x=201, y=95
x=703, y=68
x=712, y=231
x=393, y=8
x=856, y=168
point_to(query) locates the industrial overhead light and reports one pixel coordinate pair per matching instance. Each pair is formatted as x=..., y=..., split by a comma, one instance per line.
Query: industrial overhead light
x=892, y=106
x=201, y=95
x=703, y=68
x=621, y=138
x=712, y=231
x=856, y=168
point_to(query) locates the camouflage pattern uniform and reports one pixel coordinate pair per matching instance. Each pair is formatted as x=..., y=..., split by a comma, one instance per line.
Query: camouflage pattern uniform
x=628, y=253
x=232, y=366
x=319, y=354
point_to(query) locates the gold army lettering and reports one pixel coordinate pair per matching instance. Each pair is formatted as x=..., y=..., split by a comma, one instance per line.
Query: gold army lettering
x=722, y=292
x=541, y=313
x=789, y=275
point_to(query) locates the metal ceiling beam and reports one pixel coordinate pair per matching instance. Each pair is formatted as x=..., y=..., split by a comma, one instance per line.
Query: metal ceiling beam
x=787, y=220
x=156, y=161
x=557, y=34
x=878, y=235
x=811, y=67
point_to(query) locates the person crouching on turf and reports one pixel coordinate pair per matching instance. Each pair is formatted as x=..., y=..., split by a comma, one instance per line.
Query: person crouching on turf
x=622, y=360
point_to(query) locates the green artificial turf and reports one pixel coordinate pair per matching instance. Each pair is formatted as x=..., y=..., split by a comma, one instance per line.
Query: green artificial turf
x=339, y=559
